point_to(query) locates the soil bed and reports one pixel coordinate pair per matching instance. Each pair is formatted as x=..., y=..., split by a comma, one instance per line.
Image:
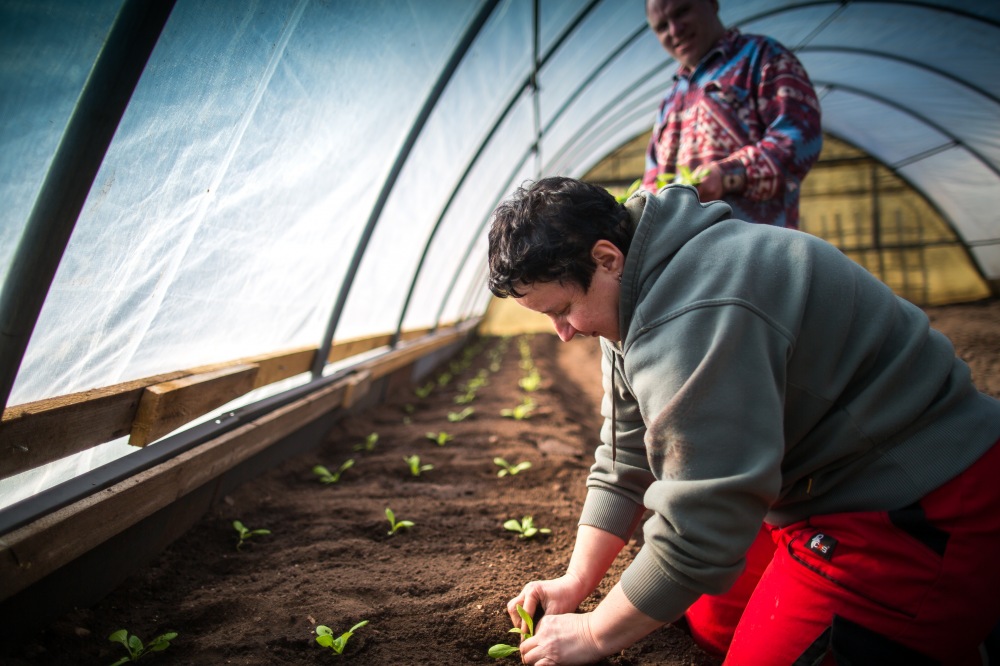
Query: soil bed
x=433, y=594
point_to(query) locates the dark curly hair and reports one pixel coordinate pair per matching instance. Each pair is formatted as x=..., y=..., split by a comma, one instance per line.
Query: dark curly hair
x=545, y=231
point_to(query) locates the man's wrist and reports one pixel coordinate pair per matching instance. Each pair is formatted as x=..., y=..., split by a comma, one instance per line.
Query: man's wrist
x=734, y=176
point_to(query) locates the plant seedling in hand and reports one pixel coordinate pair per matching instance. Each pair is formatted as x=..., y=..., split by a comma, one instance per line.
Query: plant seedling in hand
x=368, y=444
x=439, y=438
x=501, y=650
x=245, y=534
x=324, y=636
x=525, y=528
x=415, y=467
x=662, y=180
x=687, y=177
x=396, y=526
x=510, y=469
x=135, y=647
x=326, y=476
x=455, y=417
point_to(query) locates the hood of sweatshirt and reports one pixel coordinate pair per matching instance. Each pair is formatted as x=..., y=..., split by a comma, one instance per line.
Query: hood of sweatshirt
x=655, y=243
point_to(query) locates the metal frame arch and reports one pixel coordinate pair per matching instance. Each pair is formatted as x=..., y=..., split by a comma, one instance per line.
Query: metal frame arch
x=527, y=83
x=471, y=32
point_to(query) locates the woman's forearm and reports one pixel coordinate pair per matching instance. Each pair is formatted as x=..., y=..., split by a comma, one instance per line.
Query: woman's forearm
x=592, y=556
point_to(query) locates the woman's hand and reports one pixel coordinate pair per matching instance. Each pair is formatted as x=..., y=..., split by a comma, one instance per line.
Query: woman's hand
x=583, y=638
x=562, y=639
x=556, y=596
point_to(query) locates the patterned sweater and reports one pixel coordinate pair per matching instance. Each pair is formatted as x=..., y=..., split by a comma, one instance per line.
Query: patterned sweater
x=750, y=106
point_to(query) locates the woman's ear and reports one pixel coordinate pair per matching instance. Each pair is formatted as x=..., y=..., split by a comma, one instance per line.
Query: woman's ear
x=607, y=256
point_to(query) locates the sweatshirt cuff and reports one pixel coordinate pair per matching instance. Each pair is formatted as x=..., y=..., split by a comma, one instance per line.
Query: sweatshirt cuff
x=611, y=512
x=652, y=591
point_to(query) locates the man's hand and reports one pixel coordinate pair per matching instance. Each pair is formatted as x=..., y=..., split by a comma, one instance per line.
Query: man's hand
x=710, y=187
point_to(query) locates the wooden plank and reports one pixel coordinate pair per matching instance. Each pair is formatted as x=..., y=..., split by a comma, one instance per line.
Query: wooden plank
x=33, y=551
x=167, y=406
x=37, y=433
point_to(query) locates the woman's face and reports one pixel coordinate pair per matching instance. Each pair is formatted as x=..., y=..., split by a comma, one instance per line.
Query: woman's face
x=574, y=311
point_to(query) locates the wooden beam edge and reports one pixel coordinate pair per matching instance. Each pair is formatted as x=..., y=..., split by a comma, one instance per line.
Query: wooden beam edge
x=37, y=433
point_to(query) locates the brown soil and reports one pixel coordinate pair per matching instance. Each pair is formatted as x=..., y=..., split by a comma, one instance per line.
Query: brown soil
x=433, y=594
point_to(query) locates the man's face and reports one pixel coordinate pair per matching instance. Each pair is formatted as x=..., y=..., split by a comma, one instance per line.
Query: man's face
x=687, y=29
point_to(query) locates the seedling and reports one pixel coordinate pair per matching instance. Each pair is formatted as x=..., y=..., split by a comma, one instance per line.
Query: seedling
x=687, y=177
x=662, y=180
x=521, y=412
x=424, y=391
x=510, y=469
x=465, y=398
x=324, y=636
x=326, y=476
x=501, y=650
x=455, y=417
x=246, y=534
x=135, y=647
x=369, y=444
x=439, y=438
x=479, y=381
x=415, y=467
x=394, y=525
x=525, y=528
x=531, y=381
x=444, y=379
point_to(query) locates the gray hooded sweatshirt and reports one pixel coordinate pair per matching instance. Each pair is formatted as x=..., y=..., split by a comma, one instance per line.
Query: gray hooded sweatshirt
x=762, y=376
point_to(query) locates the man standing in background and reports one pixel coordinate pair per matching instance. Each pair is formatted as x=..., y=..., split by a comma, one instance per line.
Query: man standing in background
x=742, y=114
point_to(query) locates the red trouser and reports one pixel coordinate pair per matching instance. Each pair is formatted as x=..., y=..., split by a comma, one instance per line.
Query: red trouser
x=919, y=585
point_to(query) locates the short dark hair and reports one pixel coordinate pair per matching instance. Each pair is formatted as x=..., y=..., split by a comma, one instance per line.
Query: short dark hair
x=545, y=231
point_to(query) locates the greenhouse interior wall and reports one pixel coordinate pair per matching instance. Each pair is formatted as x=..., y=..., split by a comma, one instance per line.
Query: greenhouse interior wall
x=227, y=224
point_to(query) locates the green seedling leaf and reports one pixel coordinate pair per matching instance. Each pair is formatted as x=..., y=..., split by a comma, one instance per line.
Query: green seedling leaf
x=687, y=177
x=135, y=647
x=395, y=526
x=525, y=528
x=455, y=417
x=370, y=441
x=528, y=621
x=622, y=198
x=510, y=469
x=326, y=476
x=424, y=391
x=501, y=650
x=531, y=381
x=245, y=534
x=415, y=467
x=439, y=438
x=325, y=637
x=521, y=412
